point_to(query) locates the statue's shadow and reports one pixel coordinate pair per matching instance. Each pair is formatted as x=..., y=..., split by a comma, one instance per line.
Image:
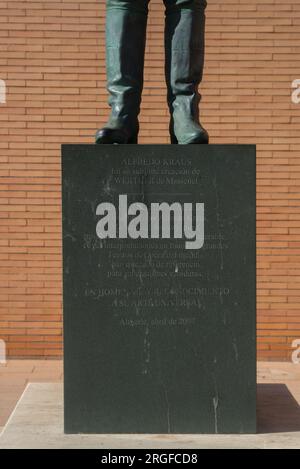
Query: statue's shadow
x=277, y=409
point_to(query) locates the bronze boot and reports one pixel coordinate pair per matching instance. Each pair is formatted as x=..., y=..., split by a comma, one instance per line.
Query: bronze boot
x=126, y=23
x=184, y=45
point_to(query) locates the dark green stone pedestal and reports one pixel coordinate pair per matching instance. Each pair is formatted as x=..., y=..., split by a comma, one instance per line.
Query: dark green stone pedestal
x=159, y=338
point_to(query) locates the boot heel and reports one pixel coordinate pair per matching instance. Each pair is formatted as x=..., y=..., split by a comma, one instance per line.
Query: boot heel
x=174, y=140
x=133, y=139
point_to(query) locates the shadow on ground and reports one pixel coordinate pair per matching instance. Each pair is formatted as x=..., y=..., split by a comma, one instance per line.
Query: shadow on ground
x=277, y=410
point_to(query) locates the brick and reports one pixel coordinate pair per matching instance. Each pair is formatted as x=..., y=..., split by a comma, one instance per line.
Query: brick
x=53, y=59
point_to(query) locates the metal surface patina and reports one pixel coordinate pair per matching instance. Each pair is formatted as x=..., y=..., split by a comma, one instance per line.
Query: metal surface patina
x=126, y=25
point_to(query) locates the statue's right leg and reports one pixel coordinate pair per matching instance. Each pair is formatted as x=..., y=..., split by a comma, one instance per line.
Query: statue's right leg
x=126, y=23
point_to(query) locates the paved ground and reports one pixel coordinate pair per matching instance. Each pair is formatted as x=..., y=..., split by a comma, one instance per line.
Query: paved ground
x=37, y=419
x=15, y=375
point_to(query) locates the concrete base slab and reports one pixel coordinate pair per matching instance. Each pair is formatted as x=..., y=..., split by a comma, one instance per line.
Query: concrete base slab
x=37, y=422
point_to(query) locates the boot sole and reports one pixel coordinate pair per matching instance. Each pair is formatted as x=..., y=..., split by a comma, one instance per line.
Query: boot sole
x=109, y=140
x=196, y=141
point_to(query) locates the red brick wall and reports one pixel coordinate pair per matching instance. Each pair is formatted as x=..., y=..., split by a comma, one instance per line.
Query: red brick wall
x=52, y=59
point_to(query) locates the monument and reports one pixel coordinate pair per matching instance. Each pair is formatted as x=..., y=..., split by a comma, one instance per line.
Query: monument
x=158, y=253
x=159, y=288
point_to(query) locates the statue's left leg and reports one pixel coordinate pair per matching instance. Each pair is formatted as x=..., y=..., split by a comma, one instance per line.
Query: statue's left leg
x=184, y=46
